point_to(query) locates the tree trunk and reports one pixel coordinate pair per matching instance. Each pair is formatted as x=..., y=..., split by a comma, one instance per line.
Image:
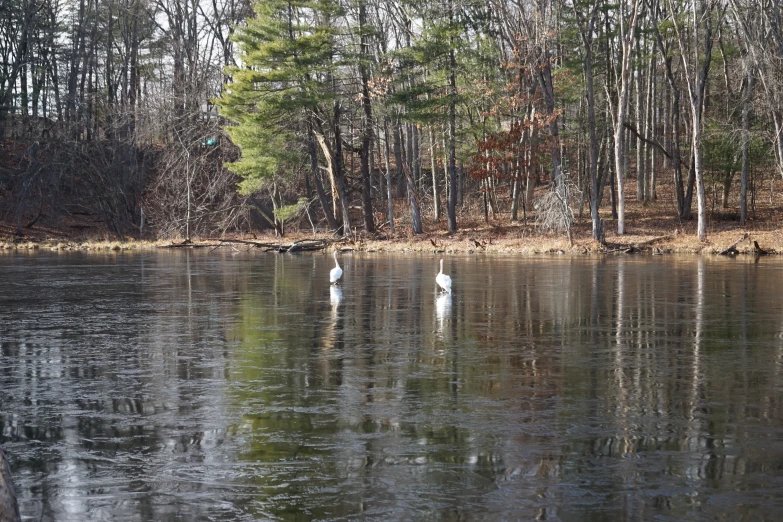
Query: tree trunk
x=416, y=161
x=434, y=171
x=366, y=149
x=515, y=193
x=319, y=188
x=452, y=207
x=413, y=198
x=398, y=159
x=697, y=83
x=674, y=121
x=778, y=140
x=331, y=169
x=640, y=180
x=544, y=76
x=340, y=171
x=389, y=198
x=746, y=101
x=649, y=133
x=626, y=34
x=586, y=30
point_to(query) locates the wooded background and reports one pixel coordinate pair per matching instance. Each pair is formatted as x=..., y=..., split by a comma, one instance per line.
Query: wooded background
x=187, y=118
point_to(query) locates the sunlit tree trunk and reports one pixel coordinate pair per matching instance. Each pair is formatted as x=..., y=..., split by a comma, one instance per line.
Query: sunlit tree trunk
x=434, y=171
x=696, y=79
x=649, y=132
x=389, y=195
x=319, y=188
x=626, y=35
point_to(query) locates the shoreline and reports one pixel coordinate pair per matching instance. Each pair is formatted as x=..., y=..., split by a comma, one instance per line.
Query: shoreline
x=479, y=240
x=651, y=227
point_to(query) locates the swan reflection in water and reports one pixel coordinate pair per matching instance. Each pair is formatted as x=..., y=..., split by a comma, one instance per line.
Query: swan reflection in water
x=442, y=309
x=335, y=296
x=332, y=332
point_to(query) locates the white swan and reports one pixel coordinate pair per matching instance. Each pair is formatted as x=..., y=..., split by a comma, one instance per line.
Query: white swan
x=443, y=280
x=336, y=272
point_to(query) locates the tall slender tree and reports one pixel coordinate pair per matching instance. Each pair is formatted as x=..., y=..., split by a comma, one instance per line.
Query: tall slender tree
x=696, y=66
x=627, y=14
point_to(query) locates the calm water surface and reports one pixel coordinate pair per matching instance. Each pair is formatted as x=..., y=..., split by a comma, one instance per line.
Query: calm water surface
x=220, y=386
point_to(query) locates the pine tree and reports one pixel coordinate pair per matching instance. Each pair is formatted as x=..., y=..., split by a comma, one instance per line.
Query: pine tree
x=280, y=93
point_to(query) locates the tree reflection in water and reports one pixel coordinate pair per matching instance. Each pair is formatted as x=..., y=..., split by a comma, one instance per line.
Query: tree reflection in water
x=194, y=385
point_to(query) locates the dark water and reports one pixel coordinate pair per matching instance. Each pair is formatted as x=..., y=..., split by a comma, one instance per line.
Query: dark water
x=212, y=386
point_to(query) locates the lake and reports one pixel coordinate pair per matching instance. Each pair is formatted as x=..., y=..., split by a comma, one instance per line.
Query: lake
x=233, y=385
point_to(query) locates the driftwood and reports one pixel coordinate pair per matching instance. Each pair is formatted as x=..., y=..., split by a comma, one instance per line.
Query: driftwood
x=651, y=241
x=758, y=250
x=623, y=250
x=302, y=245
x=732, y=249
x=9, y=507
x=637, y=247
x=256, y=244
x=188, y=244
x=307, y=245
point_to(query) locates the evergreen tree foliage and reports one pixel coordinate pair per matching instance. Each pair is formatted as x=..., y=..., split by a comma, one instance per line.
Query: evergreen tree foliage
x=286, y=59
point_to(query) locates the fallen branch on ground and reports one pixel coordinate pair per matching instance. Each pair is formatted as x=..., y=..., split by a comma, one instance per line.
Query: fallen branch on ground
x=189, y=244
x=732, y=249
x=302, y=245
x=637, y=247
x=758, y=250
x=651, y=241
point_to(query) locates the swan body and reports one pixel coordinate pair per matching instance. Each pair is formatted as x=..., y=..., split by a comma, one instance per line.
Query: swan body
x=443, y=280
x=336, y=273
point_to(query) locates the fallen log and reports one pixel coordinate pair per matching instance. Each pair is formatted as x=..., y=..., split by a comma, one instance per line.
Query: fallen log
x=636, y=247
x=307, y=245
x=623, y=250
x=758, y=250
x=256, y=244
x=188, y=244
x=643, y=244
x=301, y=245
x=732, y=249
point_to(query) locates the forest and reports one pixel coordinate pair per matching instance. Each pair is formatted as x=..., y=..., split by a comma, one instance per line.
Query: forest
x=201, y=118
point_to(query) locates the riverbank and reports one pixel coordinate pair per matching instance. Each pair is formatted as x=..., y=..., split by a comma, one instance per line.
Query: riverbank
x=500, y=239
x=650, y=227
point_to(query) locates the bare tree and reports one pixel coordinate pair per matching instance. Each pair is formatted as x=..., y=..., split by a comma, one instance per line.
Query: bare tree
x=587, y=25
x=554, y=210
x=625, y=35
x=696, y=66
